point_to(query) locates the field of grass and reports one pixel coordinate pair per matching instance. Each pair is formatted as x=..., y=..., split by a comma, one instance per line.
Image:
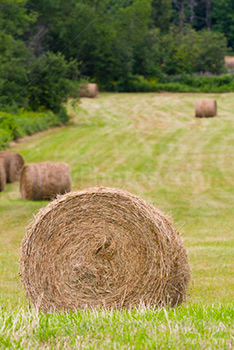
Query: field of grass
x=153, y=146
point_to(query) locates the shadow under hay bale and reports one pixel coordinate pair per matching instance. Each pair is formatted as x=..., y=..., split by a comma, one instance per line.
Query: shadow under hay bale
x=89, y=90
x=103, y=247
x=2, y=176
x=206, y=108
x=43, y=181
x=13, y=163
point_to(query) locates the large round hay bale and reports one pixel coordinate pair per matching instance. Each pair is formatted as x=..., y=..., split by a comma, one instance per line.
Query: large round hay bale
x=43, y=181
x=2, y=176
x=206, y=108
x=229, y=62
x=13, y=163
x=89, y=90
x=103, y=247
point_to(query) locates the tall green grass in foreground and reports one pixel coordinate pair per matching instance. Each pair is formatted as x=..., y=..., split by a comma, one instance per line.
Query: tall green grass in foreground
x=153, y=146
x=192, y=327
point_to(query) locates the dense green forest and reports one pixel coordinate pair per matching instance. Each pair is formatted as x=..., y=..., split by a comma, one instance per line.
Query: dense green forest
x=46, y=46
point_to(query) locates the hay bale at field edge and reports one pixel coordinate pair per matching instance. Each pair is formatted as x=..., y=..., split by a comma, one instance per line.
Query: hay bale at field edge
x=13, y=163
x=2, y=176
x=43, y=181
x=229, y=62
x=206, y=108
x=103, y=247
x=89, y=90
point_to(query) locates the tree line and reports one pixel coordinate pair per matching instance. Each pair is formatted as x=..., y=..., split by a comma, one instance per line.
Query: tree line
x=46, y=46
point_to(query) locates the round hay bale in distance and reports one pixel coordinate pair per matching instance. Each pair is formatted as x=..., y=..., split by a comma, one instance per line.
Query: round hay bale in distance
x=103, y=247
x=229, y=62
x=43, y=181
x=2, y=176
x=89, y=90
x=13, y=163
x=206, y=108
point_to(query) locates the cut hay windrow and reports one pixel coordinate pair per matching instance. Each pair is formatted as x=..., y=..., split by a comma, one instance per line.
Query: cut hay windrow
x=103, y=247
x=206, y=108
x=89, y=90
x=2, y=176
x=13, y=163
x=43, y=181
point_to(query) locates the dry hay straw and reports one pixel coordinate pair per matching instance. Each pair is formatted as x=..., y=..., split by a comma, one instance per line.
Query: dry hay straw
x=103, y=247
x=13, y=163
x=2, y=176
x=229, y=62
x=89, y=90
x=206, y=108
x=43, y=181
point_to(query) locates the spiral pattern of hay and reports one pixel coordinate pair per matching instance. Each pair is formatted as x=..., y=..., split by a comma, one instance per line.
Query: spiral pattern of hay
x=2, y=176
x=89, y=90
x=206, y=108
x=102, y=247
x=43, y=181
x=13, y=163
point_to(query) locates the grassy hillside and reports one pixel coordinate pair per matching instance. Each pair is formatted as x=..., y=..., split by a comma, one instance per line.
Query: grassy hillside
x=153, y=146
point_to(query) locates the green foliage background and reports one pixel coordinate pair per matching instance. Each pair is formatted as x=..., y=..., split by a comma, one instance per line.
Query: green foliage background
x=42, y=44
x=48, y=46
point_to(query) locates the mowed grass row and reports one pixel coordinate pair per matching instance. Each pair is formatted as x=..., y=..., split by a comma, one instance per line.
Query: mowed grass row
x=153, y=146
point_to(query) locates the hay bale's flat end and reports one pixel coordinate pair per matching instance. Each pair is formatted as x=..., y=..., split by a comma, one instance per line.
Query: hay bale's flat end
x=44, y=181
x=89, y=90
x=103, y=247
x=206, y=108
x=2, y=176
x=13, y=163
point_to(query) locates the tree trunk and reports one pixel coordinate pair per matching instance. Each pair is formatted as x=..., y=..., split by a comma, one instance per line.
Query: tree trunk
x=182, y=16
x=36, y=42
x=192, y=5
x=208, y=14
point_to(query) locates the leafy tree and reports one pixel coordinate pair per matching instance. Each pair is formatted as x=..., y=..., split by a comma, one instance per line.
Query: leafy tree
x=51, y=81
x=223, y=18
x=43, y=41
x=193, y=51
x=197, y=13
x=14, y=58
x=14, y=17
x=27, y=80
x=161, y=14
x=148, y=55
x=101, y=35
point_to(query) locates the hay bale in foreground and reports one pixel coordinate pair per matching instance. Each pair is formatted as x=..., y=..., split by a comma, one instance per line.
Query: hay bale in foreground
x=206, y=108
x=2, y=176
x=13, y=163
x=89, y=90
x=102, y=247
x=229, y=62
x=43, y=181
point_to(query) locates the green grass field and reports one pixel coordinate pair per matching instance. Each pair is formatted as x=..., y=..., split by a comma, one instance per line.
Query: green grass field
x=153, y=146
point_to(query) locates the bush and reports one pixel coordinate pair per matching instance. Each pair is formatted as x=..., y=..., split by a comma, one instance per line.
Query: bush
x=193, y=51
x=14, y=59
x=198, y=83
x=53, y=80
x=9, y=124
x=24, y=123
x=5, y=138
x=28, y=81
x=179, y=83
